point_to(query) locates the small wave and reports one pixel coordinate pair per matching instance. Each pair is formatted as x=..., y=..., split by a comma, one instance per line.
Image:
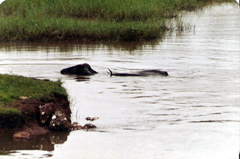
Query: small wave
x=213, y=121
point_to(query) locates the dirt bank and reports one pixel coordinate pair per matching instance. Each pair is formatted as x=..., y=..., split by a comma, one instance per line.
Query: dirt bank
x=30, y=115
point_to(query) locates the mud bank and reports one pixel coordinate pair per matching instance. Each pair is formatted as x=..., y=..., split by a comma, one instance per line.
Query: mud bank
x=29, y=121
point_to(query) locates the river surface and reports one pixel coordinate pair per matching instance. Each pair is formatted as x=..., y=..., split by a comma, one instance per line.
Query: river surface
x=191, y=114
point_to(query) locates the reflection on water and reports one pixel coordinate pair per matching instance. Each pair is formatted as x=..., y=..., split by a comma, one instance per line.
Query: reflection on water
x=43, y=142
x=70, y=47
x=192, y=113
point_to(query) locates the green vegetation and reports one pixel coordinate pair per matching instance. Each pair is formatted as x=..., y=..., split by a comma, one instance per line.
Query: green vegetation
x=62, y=20
x=7, y=111
x=12, y=87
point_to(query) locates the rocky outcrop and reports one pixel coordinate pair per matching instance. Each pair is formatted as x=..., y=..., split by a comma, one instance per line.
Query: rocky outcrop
x=75, y=126
x=89, y=126
x=59, y=121
x=46, y=112
x=38, y=116
x=56, y=119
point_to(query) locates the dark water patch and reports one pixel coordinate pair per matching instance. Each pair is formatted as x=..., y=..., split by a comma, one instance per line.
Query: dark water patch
x=143, y=96
x=214, y=114
x=171, y=108
x=122, y=61
x=213, y=121
x=174, y=122
x=111, y=88
x=127, y=92
x=163, y=114
x=149, y=102
x=41, y=142
x=68, y=47
x=199, y=106
x=217, y=113
x=207, y=106
x=132, y=90
x=82, y=78
x=131, y=129
x=201, y=115
x=47, y=155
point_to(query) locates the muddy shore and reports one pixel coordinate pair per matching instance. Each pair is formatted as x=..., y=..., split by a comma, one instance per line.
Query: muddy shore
x=29, y=121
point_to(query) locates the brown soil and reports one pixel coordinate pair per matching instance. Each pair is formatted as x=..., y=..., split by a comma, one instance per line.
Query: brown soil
x=29, y=121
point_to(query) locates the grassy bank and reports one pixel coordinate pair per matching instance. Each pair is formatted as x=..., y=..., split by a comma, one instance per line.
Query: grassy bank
x=115, y=20
x=14, y=87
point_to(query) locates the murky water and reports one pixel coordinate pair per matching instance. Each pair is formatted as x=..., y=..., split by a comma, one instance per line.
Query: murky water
x=193, y=113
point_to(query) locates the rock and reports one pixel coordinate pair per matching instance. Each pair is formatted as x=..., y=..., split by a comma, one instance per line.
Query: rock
x=59, y=121
x=21, y=136
x=92, y=118
x=46, y=111
x=89, y=126
x=23, y=98
x=75, y=126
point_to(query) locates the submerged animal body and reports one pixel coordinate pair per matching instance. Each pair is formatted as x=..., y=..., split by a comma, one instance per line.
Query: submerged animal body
x=81, y=69
x=85, y=69
x=141, y=73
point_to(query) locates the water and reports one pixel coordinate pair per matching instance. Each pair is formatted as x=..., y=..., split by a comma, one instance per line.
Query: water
x=193, y=113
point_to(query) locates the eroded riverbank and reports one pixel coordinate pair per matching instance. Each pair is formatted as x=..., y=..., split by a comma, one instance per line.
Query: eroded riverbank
x=28, y=106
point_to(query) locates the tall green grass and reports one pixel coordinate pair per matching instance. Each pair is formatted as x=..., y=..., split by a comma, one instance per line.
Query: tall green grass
x=65, y=28
x=132, y=20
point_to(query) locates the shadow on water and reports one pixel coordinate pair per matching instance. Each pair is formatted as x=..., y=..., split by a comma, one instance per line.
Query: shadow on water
x=82, y=78
x=41, y=142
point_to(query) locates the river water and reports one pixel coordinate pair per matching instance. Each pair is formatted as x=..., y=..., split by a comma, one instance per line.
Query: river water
x=192, y=114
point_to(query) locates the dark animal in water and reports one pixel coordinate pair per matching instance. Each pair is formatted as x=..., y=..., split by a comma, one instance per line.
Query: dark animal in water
x=85, y=69
x=141, y=73
x=81, y=69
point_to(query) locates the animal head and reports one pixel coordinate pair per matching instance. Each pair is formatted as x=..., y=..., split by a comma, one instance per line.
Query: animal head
x=81, y=69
